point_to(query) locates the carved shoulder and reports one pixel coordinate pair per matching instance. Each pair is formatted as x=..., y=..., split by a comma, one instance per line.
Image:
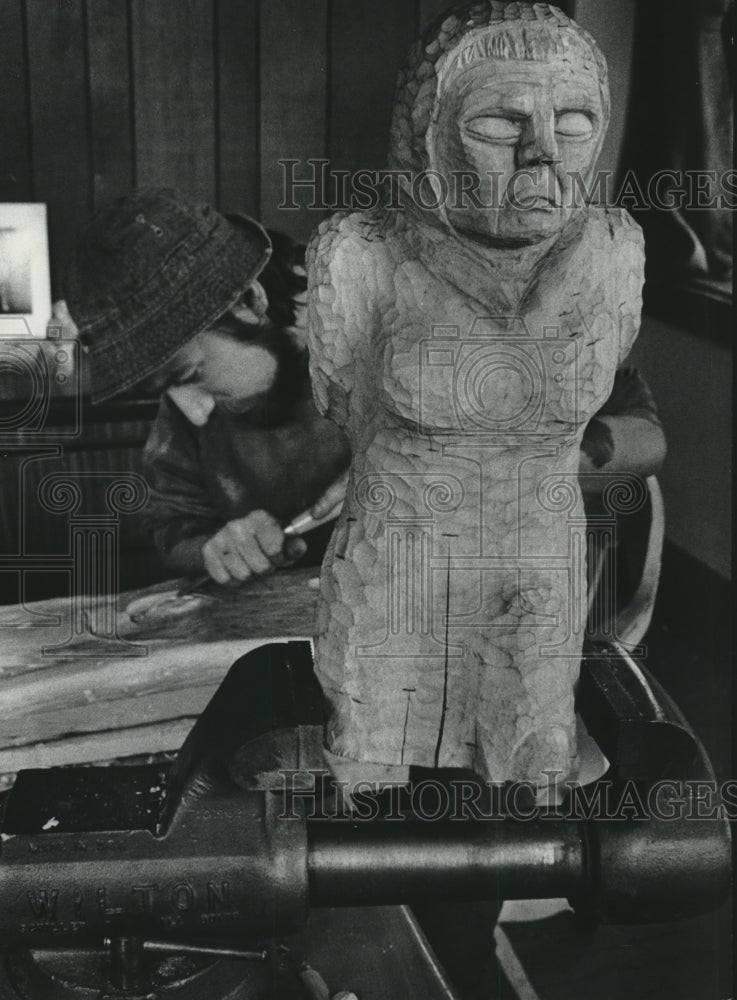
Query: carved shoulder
x=342, y=265
x=627, y=251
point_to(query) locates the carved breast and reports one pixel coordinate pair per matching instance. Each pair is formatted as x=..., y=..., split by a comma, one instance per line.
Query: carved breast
x=451, y=370
x=448, y=367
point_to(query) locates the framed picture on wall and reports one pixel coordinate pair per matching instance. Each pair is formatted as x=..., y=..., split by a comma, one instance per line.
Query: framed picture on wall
x=25, y=290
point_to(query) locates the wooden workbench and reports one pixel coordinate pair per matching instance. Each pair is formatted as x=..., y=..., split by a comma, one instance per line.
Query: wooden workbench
x=74, y=699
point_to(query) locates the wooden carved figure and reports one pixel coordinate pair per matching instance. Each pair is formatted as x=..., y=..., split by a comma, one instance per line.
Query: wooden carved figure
x=463, y=333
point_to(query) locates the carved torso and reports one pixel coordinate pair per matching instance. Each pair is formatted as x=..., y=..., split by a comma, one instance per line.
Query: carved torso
x=448, y=590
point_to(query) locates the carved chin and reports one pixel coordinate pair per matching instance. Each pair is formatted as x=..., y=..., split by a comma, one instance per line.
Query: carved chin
x=514, y=225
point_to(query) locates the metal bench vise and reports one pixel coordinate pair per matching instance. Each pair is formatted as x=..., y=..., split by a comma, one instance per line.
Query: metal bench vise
x=208, y=859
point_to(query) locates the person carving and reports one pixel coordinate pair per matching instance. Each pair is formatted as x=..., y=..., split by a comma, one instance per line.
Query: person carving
x=173, y=298
x=464, y=336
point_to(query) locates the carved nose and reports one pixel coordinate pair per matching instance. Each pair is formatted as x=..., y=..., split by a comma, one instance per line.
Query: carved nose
x=538, y=141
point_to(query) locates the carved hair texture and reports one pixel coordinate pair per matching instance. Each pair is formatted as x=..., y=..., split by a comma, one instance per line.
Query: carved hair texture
x=474, y=32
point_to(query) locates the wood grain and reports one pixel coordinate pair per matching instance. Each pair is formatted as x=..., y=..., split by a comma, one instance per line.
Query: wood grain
x=92, y=686
x=108, y=44
x=204, y=95
x=294, y=70
x=15, y=158
x=59, y=122
x=368, y=45
x=174, y=95
x=90, y=748
x=238, y=124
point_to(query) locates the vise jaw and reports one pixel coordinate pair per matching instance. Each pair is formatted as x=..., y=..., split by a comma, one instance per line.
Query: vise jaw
x=190, y=851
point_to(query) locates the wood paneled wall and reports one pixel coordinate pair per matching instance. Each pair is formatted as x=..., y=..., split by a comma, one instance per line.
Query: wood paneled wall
x=203, y=95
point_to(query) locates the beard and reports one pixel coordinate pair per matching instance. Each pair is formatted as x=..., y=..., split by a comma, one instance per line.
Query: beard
x=276, y=406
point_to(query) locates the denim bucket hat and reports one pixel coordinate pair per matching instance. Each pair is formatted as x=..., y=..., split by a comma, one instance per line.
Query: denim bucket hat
x=149, y=272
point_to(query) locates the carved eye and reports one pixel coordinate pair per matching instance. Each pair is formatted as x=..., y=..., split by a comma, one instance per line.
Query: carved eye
x=575, y=124
x=495, y=129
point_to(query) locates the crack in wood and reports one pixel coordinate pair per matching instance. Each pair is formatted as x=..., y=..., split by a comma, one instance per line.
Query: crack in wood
x=444, y=709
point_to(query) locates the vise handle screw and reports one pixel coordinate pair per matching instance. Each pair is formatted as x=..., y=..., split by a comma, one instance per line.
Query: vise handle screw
x=179, y=948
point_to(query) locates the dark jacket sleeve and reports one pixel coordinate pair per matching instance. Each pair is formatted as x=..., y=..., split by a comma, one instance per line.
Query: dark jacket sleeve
x=631, y=397
x=179, y=505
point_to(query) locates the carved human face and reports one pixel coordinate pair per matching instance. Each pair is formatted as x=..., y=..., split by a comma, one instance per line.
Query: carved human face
x=523, y=128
